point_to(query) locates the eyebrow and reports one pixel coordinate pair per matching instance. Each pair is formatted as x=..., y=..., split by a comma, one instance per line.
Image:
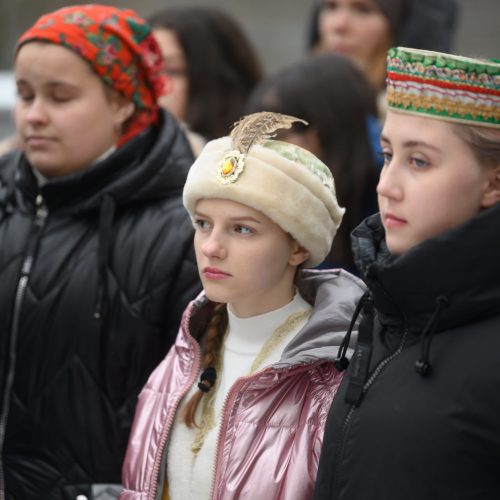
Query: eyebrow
x=237, y=218
x=52, y=83
x=412, y=144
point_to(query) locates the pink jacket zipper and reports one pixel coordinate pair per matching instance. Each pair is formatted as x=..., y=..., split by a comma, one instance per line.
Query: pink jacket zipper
x=166, y=431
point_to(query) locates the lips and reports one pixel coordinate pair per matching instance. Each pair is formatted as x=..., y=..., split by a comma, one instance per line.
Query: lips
x=342, y=49
x=392, y=221
x=213, y=273
x=38, y=141
x=339, y=46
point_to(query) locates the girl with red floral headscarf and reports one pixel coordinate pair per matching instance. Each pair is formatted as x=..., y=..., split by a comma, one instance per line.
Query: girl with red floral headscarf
x=95, y=260
x=119, y=48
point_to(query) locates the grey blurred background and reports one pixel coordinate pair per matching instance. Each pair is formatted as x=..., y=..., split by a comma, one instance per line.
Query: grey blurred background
x=277, y=29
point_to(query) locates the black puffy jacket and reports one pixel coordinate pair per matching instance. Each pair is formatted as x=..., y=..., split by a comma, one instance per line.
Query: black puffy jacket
x=424, y=421
x=95, y=271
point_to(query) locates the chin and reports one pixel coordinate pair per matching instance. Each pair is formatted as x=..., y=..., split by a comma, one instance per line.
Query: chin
x=215, y=295
x=396, y=248
x=47, y=171
x=42, y=168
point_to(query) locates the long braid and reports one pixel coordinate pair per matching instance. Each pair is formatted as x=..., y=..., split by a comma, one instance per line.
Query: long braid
x=210, y=361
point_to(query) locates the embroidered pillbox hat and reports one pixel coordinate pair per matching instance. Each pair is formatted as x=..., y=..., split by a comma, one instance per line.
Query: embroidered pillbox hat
x=444, y=86
x=285, y=182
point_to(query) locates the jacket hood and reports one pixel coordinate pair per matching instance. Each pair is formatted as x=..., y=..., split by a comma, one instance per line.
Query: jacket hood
x=150, y=166
x=460, y=266
x=333, y=294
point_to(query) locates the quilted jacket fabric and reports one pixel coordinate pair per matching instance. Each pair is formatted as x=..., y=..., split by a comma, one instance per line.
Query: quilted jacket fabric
x=95, y=271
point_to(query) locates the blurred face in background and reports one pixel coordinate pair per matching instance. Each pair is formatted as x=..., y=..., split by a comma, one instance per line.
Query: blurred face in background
x=65, y=116
x=355, y=28
x=176, y=67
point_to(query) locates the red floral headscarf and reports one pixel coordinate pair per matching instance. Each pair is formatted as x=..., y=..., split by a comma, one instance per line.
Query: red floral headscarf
x=120, y=48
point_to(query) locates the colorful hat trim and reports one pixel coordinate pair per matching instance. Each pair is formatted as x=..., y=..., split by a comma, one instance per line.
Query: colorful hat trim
x=444, y=86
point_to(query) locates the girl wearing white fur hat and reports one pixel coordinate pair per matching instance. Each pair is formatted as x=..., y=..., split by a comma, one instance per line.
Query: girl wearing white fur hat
x=237, y=409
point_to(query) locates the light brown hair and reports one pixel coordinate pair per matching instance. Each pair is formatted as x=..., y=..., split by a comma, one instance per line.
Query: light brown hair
x=212, y=347
x=483, y=141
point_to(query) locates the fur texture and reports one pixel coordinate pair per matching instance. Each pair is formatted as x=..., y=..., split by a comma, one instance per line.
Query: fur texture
x=287, y=191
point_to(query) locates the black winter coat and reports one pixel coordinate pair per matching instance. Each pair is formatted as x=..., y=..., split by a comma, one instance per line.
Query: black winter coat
x=95, y=271
x=424, y=421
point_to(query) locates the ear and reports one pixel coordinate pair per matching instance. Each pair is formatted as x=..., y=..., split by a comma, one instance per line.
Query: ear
x=124, y=112
x=299, y=255
x=122, y=108
x=492, y=193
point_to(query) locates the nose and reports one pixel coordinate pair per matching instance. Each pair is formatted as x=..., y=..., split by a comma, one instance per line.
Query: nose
x=340, y=18
x=213, y=247
x=389, y=184
x=36, y=112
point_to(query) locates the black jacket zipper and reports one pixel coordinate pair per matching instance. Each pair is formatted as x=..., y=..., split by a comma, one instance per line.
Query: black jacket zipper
x=22, y=284
x=347, y=421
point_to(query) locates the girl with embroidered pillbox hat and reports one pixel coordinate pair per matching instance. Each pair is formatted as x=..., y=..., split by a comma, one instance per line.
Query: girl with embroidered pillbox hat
x=417, y=413
x=238, y=407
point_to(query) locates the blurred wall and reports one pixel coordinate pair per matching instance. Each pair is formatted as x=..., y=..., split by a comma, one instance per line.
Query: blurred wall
x=276, y=27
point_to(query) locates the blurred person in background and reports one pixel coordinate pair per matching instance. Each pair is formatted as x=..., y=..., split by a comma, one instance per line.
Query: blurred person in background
x=96, y=261
x=213, y=67
x=332, y=95
x=364, y=30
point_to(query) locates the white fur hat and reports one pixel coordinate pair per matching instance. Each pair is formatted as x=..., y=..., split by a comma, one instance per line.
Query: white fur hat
x=288, y=184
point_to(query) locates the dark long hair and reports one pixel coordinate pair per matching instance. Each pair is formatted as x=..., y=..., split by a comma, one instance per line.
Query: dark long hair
x=222, y=65
x=334, y=97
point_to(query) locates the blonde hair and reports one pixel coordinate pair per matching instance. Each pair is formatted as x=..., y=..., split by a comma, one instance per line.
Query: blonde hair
x=483, y=141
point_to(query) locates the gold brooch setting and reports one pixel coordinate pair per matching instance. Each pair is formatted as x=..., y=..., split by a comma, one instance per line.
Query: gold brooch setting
x=231, y=167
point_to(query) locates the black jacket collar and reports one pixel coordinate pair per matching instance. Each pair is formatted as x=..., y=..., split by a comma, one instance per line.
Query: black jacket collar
x=462, y=265
x=152, y=165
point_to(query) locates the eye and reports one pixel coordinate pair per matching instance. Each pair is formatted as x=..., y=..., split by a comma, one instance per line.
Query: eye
x=201, y=224
x=417, y=162
x=386, y=156
x=60, y=98
x=25, y=95
x=244, y=230
x=364, y=7
x=328, y=5
x=61, y=93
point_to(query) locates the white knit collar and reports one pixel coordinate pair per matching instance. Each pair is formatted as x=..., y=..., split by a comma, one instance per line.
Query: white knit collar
x=247, y=335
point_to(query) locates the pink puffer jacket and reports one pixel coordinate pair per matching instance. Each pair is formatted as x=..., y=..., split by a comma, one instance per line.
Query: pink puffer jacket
x=273, y=421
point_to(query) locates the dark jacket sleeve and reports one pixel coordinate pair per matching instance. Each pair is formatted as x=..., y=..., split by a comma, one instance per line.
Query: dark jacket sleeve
x=185, y=287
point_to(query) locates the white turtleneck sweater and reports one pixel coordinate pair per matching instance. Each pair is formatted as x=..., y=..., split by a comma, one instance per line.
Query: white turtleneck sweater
x=244, y=341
